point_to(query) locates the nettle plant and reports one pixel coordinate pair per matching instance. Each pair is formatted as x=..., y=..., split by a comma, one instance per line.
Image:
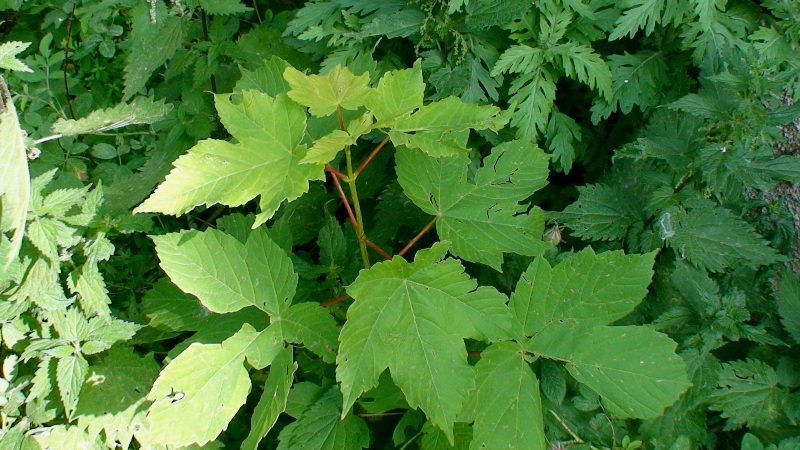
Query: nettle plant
x=421, y=338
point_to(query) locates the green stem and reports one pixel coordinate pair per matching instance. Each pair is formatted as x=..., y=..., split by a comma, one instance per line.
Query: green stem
x=351, y=182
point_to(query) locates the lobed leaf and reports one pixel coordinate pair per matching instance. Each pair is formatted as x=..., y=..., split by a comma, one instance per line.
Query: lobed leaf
x=506, y=405
x=634, y=369
x=323, y=94
x=8, y=56
x=269, y=131
x=483, y=219
x=412, y=318
x=586, y=288
x=227, y=275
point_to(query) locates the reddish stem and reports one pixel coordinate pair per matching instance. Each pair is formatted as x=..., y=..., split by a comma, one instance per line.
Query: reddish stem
x=371, y=156
x=474, y=352
x=334, y=300
x=336, y=172
x=342, y=195
x=377, y=249
x=418, y=236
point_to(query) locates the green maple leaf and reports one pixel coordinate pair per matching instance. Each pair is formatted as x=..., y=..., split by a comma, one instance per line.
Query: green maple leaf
x=634, y=369
x=265, y=161
x=323, y=94
x=206, y=380
x=506, y=405
x=397, y=94
x=484, y=218
x=587, y=288
x=227, y=275
x=412, y=318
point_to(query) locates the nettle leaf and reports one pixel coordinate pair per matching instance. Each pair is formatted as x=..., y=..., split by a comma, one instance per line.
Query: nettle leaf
x=71, y=371
x=15, y=182
x=714, y=238
x=412, y=318
x=322, y=428
x=205, y=380
x=483, y=218
x=273, y=398
x=227, y=275
x=506, y=405
x=223, y=7
x=789, y=303
x=601, y=213
x=634, y=369
x=269, y=133
x=585, y=288
x=140, y=111
x=441, y=128
x=8, y=56
x=152, y=44
x=748, y=394
x=323, y=94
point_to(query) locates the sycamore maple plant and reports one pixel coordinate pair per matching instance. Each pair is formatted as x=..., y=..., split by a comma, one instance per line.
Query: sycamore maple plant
x=359, y=259
x=410, y=317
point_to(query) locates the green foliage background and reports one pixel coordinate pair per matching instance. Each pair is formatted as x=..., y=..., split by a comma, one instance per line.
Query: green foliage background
x=479, y=224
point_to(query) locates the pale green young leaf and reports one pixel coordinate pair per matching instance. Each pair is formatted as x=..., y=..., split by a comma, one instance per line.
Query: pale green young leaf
x=269, y=131
x=113, y=394
x=440, y=128
x=151, y=44
x=322, y=428
x=206, y=380
x=46, y=234
x=273, y=399
x=405, y=312
x=483, y=219
x=224, y=7
x=789, y=303
x=585, y=288
x=103, y=332
x=8, y=56
x=325, y=149
x=71, y=371
x=142, y=110
x=312, y=326
x=267, y=78
x=634, y=369
x=714, y=238
x=323, y=94
x=397, y=94
x=15, y=182
x=506, y=406
x=227, y=275
x=748, y=394
x=582, y=63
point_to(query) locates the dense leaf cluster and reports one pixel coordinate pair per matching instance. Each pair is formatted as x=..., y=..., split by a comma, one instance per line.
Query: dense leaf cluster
x=434, y=224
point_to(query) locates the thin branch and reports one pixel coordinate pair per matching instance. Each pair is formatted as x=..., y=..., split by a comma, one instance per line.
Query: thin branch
x=343, y=196
x=418, y=236
x=66, y=61
x=576, y=439
x=375, y=247
x=371, y=156
x=334, y=300
x=336, y=172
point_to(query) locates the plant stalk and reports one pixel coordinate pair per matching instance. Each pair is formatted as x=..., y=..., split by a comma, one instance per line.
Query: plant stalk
x=351, y=181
